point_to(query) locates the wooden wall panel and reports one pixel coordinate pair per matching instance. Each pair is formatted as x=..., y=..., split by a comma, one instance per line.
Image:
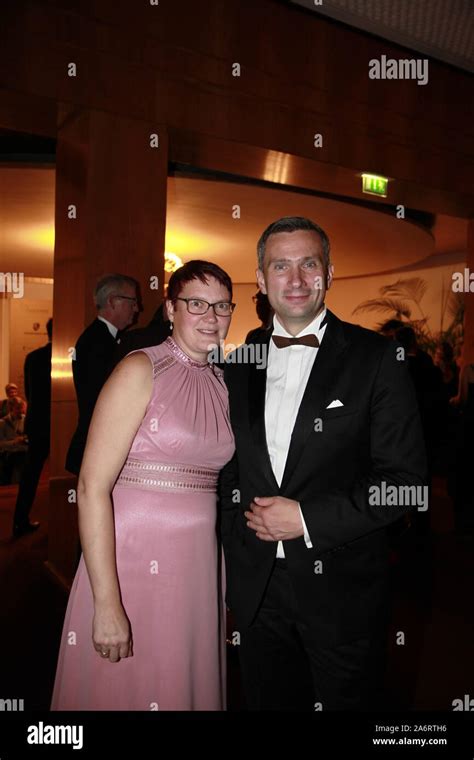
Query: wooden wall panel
x=468, y=356
x=300, y=74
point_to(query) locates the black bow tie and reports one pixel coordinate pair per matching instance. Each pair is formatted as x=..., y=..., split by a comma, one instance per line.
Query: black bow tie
x=310, y=339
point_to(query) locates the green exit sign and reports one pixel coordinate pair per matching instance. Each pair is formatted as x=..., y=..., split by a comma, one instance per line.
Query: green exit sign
x=374, y=185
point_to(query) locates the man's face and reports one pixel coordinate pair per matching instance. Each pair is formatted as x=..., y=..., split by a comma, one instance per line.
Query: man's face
x=124, y=307
x=295, y=277
x=11, y=390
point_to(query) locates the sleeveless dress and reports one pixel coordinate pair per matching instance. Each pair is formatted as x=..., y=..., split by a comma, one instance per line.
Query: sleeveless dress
x=169, y=566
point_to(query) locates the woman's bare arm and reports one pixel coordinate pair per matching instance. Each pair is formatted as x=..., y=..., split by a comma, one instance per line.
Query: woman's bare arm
x=118, y=413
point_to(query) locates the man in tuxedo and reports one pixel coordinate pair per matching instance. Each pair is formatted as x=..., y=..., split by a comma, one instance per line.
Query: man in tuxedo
x=37, y=374
x=115, y=297
x=321, y=433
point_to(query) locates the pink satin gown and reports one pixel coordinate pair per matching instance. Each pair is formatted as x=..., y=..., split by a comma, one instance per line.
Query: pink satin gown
x=169, y=568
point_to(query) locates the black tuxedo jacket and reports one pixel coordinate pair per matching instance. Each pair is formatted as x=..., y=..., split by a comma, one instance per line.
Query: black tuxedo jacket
x=37, y=374
x=375, y=436
x=91, y=367
x=142, y=337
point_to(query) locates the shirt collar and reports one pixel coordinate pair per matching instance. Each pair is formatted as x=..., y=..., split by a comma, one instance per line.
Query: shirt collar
x=112, y=329
x=313, y=326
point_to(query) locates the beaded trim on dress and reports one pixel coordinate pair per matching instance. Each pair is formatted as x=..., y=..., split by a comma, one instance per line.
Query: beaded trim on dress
x=180, y=354
x=162, y=365
x=137, y=473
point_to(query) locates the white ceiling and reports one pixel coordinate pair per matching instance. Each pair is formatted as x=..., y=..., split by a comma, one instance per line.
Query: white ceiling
x=442, y=29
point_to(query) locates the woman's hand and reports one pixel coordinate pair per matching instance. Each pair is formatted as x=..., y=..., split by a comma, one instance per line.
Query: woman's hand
x=111, y=633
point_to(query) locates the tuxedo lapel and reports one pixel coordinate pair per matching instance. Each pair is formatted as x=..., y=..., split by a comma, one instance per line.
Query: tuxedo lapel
x=257, y=379
x=319, y=384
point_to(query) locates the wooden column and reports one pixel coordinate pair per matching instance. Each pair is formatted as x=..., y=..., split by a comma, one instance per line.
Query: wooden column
x=110, y=216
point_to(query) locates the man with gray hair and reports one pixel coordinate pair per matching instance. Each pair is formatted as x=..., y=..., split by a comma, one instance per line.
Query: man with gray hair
x=115, y=297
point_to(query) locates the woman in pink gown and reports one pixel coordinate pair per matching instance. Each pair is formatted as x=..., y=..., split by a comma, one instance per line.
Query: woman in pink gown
x=145, y=625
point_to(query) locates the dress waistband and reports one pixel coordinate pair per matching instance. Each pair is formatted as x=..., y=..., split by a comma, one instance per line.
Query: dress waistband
x=172, y=478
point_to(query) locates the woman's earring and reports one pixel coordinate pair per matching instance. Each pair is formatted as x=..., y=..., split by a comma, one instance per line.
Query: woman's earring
x=171, y=326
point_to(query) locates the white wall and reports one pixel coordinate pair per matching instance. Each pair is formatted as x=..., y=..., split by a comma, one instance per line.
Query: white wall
x=23, y=328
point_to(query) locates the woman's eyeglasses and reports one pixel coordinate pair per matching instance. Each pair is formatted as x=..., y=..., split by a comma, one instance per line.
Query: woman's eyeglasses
x=198, y=306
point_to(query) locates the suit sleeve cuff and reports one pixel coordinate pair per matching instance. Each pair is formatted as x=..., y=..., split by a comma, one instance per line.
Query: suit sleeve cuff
x=307, y=539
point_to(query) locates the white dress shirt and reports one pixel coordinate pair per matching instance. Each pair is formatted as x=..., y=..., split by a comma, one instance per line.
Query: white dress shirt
x=288, y=370
x=112, y=329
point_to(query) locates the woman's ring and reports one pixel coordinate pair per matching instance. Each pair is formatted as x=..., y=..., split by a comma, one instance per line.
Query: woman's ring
x=104, y=653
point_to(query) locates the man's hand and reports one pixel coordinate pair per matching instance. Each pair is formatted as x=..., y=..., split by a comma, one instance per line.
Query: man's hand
x=275, y=518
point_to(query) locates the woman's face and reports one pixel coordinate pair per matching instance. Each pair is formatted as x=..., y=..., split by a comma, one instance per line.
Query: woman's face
x=197, y=334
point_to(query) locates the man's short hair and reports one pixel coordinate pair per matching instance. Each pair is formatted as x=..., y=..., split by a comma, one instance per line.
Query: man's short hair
x=390, y=326
x=292, y=224
x=111, y=285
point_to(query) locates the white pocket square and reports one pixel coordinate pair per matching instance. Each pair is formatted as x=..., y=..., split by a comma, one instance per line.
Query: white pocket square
x=335, y=403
